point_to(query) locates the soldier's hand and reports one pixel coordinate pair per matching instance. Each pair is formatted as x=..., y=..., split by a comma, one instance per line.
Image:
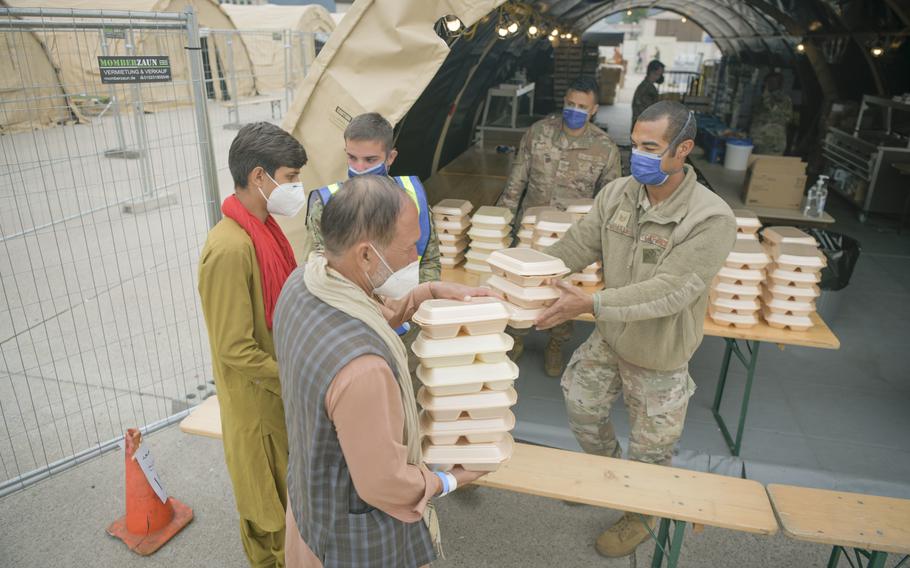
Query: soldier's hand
x=572, y=303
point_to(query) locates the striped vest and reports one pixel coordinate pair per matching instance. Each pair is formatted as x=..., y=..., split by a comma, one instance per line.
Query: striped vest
x=412, y=186
x=313, y=342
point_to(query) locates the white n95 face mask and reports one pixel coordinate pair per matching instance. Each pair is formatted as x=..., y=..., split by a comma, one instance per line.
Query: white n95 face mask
x=401, y=282
x=287, y=199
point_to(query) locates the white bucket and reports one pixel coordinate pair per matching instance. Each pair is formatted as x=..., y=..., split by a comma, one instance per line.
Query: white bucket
x=737, y=154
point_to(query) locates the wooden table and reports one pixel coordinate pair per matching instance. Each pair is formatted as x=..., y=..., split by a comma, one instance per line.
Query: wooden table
x=204, y=420
x=871, y=525
x=728, y=184
x=819, y=336
x=479, y=190
x=476, y=161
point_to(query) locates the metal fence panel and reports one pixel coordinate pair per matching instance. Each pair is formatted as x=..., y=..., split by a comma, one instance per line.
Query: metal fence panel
x=106, y=195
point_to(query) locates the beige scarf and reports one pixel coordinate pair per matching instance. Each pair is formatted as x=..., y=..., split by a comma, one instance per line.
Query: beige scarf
x=337, y=291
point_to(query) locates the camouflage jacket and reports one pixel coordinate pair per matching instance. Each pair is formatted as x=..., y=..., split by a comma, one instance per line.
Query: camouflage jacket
x=430, y=267
x=774, y=107
x=551, y=166
x=645, y=96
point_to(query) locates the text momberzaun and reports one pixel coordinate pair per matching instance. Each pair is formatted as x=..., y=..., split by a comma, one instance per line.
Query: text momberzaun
x=135, y=69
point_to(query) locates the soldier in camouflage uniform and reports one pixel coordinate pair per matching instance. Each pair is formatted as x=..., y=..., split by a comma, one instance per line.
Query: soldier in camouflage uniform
x=561, y=157
x=368, y=144
x=662, y=238
x=646, y=93
x=772, y=114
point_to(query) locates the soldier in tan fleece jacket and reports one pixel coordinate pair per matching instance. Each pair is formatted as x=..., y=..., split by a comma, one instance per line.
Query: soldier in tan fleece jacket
x=662, y=237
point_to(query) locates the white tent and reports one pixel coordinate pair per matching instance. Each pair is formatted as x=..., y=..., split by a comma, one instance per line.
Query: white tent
x=263, y=30
x=352, y=76
x=30, y=93
x=74, y=52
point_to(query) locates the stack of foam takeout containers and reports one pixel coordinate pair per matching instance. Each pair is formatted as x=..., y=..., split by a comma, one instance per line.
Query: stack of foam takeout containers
x=520, y=275
x=550, y=227
x=735, y=291
x=450, y=216
x=747, y=224
x=528, y=221
x=468, y=383
x=490, y=231
x=792, y=286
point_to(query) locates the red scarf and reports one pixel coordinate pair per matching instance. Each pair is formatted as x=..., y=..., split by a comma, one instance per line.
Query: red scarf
x=273, y=251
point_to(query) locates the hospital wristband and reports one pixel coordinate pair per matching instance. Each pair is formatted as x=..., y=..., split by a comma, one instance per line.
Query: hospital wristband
x=445, y=482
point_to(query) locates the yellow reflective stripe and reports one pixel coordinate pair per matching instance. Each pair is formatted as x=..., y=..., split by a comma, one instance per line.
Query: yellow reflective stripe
x=333, y=188
x=408, y=186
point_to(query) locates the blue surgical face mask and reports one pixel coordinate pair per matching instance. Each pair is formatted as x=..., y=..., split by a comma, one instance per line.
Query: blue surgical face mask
x=379, y=169
x=646, y=166
x=574, y=118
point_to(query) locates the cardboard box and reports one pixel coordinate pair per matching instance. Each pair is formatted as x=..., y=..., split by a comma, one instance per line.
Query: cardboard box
x=775, y=181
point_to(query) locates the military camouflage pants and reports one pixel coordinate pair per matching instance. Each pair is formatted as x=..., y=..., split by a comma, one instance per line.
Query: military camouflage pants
x=770, y=139
x=560, y=334
x=656, y=401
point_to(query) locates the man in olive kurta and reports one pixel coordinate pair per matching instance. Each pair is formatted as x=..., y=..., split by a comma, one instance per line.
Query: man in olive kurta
x=262, y=158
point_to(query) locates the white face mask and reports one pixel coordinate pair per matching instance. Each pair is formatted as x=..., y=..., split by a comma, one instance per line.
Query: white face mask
x=400, y=283
x=287, y=199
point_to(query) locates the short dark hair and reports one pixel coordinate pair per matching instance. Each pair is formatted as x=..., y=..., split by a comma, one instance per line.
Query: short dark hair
x=655, y=65
x=584, y=84
x=371, y=126
x=263, y=144
x=681, y=124
x=365, y=208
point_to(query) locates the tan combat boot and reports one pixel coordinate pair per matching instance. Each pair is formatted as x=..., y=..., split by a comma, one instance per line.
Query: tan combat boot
x=552, y=358
x=517, y=349
x=624, y=537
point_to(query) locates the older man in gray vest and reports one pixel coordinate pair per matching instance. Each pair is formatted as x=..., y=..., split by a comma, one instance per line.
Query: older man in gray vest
x=358, y=491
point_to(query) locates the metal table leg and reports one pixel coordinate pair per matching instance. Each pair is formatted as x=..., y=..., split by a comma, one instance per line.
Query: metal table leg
x=664, y=546
x=749, y=362
x=863, y=558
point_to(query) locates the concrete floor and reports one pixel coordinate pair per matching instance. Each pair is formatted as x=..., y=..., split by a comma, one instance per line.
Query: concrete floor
x=82, y=363
x=61, y=522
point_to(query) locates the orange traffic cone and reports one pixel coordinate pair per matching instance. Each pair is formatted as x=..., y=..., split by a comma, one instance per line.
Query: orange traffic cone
x=148, y=523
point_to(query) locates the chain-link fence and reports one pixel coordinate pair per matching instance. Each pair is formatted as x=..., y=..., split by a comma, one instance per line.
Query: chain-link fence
x=278, y=60
x=108, y=185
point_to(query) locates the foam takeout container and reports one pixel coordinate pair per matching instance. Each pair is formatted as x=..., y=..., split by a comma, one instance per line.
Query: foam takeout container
x=529, y=219
x=728, y=306
x=480, y=233
x=741, y=276
x=781, y=321
x=785, y=292
x=490, y=246
x=467, y=379
x=779, y=276
x=553, y=223
x=474, y=431
x=480, y=405
x=747, y=253
x=492, y=216
x=527, y=263
x=798, y=257
x=746, y=221
x=736, y=291
x=444, y=319
x=524, y=297
x=452, y=207
x=451, y=261
x=462, y=350
x=523, y=318
x=787, y=235
x=740, y=321
x=454, y=227
x=787, y=307
x=472, y=457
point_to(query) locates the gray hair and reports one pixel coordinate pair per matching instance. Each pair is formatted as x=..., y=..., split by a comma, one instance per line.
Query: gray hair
x=366, y=208
x=371, y=126
x=681, y=124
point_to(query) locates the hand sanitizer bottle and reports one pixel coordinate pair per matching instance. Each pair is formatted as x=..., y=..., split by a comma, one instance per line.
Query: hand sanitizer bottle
x=810, y=205
x=822, y=195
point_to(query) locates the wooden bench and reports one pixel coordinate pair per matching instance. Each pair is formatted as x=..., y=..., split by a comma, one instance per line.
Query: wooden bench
x=204, y=420
x=674, y=495
x=872, y=526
